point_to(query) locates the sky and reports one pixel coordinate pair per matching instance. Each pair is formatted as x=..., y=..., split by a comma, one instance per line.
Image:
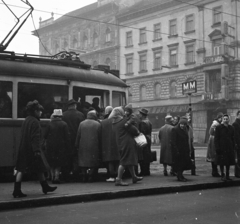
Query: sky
x=24, y=41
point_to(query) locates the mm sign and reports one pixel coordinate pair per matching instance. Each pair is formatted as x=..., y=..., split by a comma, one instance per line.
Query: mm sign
x=189, y=87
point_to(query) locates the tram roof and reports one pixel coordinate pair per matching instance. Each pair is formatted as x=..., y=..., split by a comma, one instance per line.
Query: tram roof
x=54, y=69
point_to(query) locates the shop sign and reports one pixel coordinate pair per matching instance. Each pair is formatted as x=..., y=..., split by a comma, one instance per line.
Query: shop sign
x=189, y=87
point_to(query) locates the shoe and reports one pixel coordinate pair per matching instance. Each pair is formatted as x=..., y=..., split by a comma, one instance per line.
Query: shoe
x=216, y=175
x=165, y=173
x=17, y=193
x=46, y=188
x=136, y=179
x=228, y=179
x=119, y=182
x=173, y=173
x=181, y=179
x=111, y=179
x=224, y=179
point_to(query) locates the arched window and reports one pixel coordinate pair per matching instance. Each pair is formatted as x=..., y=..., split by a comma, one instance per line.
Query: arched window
x=143, y=92
x=157, y=90
x=173, y=89
x=108, y=34
x=85, y=41
x=108, y=61
x=95, y=39
x=75, y=43
x=95, y=63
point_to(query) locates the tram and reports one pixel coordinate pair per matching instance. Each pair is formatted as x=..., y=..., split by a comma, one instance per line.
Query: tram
x=51, y=81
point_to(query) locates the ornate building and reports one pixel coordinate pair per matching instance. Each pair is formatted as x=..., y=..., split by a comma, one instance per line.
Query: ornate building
x=164, y=44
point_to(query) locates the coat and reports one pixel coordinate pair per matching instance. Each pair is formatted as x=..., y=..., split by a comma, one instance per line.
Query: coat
x=236, y=125
x=164, y=136
x=31, y=141
x=88, y=142
x=73, y=118
x=109, y=142
x=225, y=142
x=57, y=142
x=126, y=143
x=180, y=149
x=145, y=127
x=211, y=151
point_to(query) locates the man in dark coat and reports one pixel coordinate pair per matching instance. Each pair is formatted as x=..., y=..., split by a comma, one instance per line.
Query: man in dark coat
x=236, y=126
x=88, y=142
x=180, y=149
x=224, y=143
x=73, y=118
x=145, y=127
x=110, y=153
x=164, y=136
x=30, y=157
x=57, y=144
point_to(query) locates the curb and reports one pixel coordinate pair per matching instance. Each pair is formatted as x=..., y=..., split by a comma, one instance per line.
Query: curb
x=127, y=193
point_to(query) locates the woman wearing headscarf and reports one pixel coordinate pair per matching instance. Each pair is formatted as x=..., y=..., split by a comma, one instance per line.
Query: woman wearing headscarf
x=126, y=145
x=30, y=157
x=88, y=142
x=57, y=144
x=110, y=153
x=181, y=149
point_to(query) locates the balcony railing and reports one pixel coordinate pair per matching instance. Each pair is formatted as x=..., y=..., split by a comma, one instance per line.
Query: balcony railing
x=213, y=59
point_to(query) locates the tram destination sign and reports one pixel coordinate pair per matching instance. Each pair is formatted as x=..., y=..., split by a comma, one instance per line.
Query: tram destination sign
x=189, y=87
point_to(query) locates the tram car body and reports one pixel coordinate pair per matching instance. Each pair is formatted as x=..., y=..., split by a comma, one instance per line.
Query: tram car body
x=52, y=82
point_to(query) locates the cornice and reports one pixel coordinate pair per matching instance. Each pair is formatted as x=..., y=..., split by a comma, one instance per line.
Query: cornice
x=101, y=50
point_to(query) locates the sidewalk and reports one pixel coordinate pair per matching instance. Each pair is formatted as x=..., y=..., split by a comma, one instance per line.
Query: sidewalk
x=84, y=192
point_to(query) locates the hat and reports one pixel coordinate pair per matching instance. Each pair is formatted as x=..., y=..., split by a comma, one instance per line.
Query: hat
x=34, y=105
x=57, y=113
x=219, y=115
x=72, y=101
x=143, y=111
x=168, y=116
x=128, y=108
x=183, y=120
x=108, y=109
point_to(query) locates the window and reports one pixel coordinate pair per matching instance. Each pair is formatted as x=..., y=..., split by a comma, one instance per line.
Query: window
x=85, y=41
x=108, y=61
x=157, y=60
x=94, y=63
x=214, y=84
x=173, y=57
x=129, y=39
x=65, y=44
x=56, y=48
x=217, y=47
x=173, y=89
x=95, y=39
x=189, y=23
x=157, y=90
x=143, y=62
x=50, y=96
x=129, y=65
x=75, y=43
x=6, y=99
x=157, y=31
x=143, y=37
x=190, y=55
x=108, y=35
x=173, y=27
x=217, y=14
x=143, y=92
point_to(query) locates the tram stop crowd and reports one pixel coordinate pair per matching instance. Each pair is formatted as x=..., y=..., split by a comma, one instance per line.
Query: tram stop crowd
x=73, y=146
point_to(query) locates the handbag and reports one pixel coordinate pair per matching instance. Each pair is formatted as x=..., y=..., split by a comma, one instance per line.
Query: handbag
x=141, y=140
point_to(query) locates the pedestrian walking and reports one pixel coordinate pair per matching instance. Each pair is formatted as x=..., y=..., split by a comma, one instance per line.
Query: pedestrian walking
x=225, y=143
x=165, y=138
x=145, y=127
x=57, y=141
x=30, y=157
x=180, y=149
x=126, y=145
x=236, y=126
x=73, y=118
x=110, y=153
x=211, y=150
x=88, y=143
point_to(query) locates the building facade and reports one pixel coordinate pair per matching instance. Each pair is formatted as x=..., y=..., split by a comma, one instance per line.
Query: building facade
x=164, y=44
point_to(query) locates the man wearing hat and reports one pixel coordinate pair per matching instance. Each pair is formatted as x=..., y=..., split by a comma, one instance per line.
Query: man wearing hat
x=145, y=127
x=164, y=136
x=73, y=118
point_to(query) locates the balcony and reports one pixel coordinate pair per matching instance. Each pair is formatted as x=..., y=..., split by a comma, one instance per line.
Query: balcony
x=214, y=59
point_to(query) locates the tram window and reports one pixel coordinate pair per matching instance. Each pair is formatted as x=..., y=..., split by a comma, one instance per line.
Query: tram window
x=118, y=98
x=86, y=95
x=5, y=99
x=49, y=96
